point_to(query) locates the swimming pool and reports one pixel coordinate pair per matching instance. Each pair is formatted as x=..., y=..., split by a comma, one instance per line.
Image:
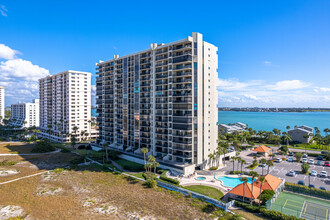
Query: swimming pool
x=200, y=178
x=231, y=181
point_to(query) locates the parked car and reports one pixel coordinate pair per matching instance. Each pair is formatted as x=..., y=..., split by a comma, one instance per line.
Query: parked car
x=290, y=159
x=311, y=186
x=278, y=160
x=327, y=164
x=313, y=173
x=319, y=157
x=291, y=153
x=324, y=174
x=300, y=182
x=304, y=156
x=323, y=188
x=263, y=165
x=311, y=161
x=319, y=163
x=304, y=160
x=291, y=173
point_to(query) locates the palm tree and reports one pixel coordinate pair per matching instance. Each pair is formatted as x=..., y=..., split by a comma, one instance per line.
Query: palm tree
x=224, y=146
x=144, y=150
x=287, y=138
x=243, y=162
x=288, y=127
x=326, y=131
x=254, y=175
x=49, y=130
x=261, y=179
x=211, y=157
x=244, y=180
x=152, y=160
x=269, y=164
x=105, y=146
x=232, y=159
x=262, y=161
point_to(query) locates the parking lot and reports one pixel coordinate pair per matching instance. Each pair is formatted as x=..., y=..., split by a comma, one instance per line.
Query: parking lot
x=282, y=169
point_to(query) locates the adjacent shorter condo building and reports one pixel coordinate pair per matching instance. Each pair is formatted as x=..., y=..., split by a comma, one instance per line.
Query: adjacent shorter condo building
x=164, y=99
x=65, y=106
x=2, y=103
x=25, y=114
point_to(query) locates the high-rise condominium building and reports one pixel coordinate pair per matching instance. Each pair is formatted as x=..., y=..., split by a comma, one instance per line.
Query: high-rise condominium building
x=2, y=103
x=164, y=99
x=25, y=114
x=65, y=105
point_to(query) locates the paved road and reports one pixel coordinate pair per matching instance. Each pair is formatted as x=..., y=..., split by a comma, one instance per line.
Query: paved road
x=281, y=170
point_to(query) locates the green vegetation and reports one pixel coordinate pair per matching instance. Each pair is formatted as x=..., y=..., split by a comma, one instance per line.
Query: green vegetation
x=43, y=146
x=267, y=195
x=129, y=165
x=206, y=190
x=8, y=163
x=307, y=191
x=304, y=168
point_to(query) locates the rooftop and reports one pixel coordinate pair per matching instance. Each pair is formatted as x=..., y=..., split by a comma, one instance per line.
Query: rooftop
x=262, y=149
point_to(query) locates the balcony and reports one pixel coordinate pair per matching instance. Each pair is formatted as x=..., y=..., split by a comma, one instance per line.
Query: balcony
x=184, y=58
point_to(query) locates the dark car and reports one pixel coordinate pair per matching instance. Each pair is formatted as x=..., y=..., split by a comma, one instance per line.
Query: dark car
x=319, y=157
x=300, y=182
x=323, y=188
x=311, y=186
x=291, y=154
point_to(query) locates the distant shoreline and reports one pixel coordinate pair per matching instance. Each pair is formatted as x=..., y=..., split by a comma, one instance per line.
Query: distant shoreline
x=271, y=110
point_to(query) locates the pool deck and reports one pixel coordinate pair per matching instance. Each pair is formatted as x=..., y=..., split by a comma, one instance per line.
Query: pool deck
x=209, y=181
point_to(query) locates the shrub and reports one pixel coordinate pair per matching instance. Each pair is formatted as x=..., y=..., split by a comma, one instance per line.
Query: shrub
x=8, y=163
x=213, y=168
x=151, y=183
x=77, y=160
x=307, y=191
x=170, y=180
x=277, y=215
x=239, y=172
x=43, y=147
x=304, y=168
x=81, y=147
x=248, y=207
x=267, y=195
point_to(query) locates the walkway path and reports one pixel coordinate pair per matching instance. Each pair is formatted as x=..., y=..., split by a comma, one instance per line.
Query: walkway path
x=36, y=174
x=32, y=154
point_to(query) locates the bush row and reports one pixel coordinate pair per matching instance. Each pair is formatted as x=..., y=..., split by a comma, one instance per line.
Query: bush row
x=239, y=172
x=173, y=181
x=308, y=191
x=271, y=214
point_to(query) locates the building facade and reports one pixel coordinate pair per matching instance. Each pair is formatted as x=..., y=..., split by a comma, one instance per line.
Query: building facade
x=2, y=103
x=65, y=106
x=164, y=99
x=302, y=134
x=25, y=114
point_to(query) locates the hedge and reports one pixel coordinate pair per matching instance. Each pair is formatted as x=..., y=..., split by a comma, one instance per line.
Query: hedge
x=277, y=215
x=239, y=172
x=313, y=154
x=173, y=181
x=271, y=214
x=308, y=191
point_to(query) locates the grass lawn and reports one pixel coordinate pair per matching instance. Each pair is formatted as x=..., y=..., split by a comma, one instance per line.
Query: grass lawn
x=139, y=175
x=294, y=204
x=129, y=165
x=206, y=190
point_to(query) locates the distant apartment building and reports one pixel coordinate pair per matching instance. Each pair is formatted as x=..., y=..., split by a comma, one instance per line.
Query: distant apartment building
x=237, y=127
x=163, y=98
x=65, y=105
x=302, y=134
x=25, y=114
x=2, y=103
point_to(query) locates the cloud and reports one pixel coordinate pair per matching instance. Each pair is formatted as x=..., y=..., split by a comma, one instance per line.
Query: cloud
x=288, y=85
x=324, y=89
x=3, y=10
x=7, y=53
x=287, y=93
x=268, y=63
x=19, y=77
x=18, y=69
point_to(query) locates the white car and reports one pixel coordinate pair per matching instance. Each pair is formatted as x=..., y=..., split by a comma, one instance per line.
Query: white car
x=291, y=173
x=304, y=155
x=290, y=159
x=313, y=173
x=304, y=160
x=263, y=165
x=278, y=160
x=324, y=174
x=311, y=161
